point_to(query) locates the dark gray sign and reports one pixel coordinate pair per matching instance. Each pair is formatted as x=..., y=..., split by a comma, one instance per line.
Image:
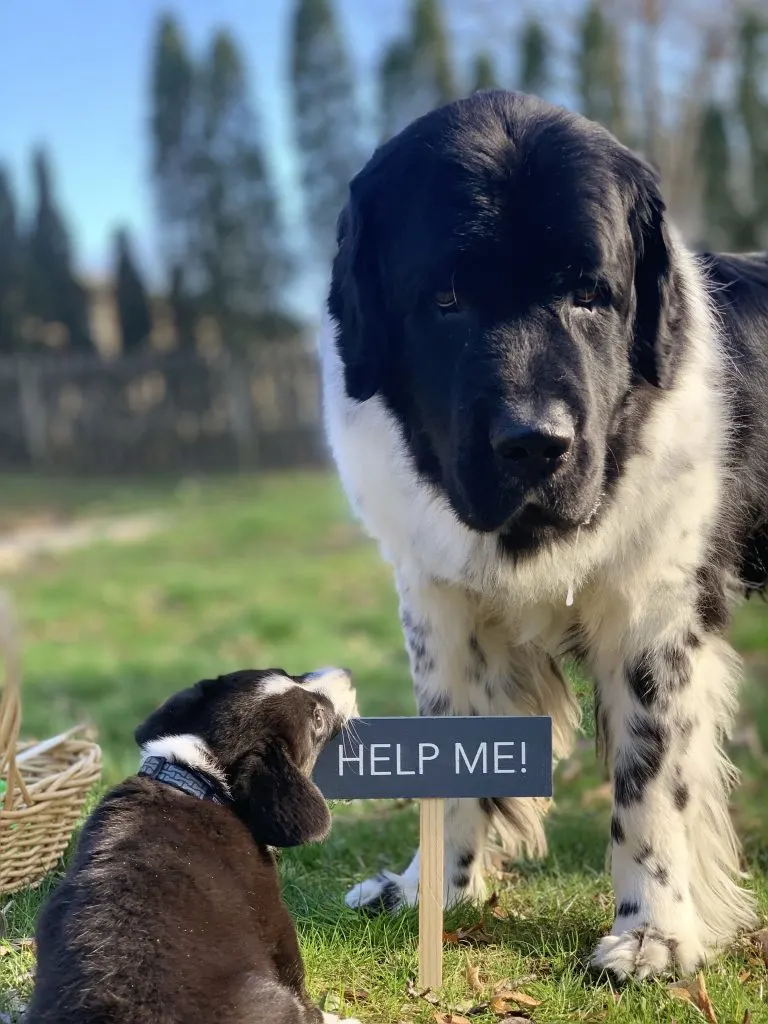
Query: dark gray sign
x=385, y=758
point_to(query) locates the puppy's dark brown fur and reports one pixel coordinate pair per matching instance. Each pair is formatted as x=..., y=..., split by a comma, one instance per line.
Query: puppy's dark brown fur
x=171, y=909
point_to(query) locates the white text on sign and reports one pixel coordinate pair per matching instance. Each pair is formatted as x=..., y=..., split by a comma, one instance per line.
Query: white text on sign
x=498, y=757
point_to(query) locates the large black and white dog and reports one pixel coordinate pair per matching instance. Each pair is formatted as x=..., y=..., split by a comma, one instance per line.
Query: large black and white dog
x=554, y=420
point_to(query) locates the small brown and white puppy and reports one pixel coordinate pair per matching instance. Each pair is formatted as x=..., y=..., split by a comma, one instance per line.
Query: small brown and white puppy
x=170, y=911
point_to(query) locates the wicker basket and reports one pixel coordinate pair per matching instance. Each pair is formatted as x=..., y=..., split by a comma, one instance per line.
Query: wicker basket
x=46, y=784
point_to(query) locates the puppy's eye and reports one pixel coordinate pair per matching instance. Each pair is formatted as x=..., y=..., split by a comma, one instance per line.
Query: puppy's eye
x=446, y=301
x=585, y=298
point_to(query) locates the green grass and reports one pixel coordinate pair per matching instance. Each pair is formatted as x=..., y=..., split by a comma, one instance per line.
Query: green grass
x=270, y=571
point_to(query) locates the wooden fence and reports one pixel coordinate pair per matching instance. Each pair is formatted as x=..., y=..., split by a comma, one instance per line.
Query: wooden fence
x=161, y=413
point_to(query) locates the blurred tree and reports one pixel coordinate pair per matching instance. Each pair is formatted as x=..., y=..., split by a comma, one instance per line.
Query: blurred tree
x=535, y=75
x=752, y=108
x=734, y=163
x=133, y=309
x=225, y=246
x=172, y=121
x=483, y=73
x=53, y=293
x=416, y=74
x=396, y=75
x=242, y=264
x=432, y=51
x=182, y=308
x=650, y=12
x=599, y=73
x=326, y=118
x=714, y=157
x=11, y=268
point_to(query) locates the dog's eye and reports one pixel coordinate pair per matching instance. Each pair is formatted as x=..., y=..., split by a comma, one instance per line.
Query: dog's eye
x=585, y=298
x=446, y=301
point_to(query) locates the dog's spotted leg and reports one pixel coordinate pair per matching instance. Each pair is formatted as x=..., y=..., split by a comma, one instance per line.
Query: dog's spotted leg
x=464, y=665
x=664, y=715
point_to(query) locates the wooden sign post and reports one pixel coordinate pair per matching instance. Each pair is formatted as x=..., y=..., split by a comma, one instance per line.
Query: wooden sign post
x=430, y=759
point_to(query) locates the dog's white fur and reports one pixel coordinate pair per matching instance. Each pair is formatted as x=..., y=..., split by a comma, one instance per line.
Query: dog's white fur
x=188, y=750
x=630, y=577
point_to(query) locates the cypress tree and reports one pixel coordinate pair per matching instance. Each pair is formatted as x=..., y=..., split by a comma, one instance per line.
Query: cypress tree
x=325, y=117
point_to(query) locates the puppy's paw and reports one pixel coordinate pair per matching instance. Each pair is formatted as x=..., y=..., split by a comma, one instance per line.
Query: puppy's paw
x=645, y=952
x=386, y=892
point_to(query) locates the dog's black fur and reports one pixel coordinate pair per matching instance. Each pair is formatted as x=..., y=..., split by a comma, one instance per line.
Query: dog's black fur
x=554, y=419
x=516, y=207
x=170, y=910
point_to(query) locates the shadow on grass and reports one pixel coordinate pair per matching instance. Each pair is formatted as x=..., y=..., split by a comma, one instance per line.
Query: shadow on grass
x=562, y=899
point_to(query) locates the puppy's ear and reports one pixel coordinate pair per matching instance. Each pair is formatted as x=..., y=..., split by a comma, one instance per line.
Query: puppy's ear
x=279, y=805
x=181, y=713
x=661, y=307
x=356, y=300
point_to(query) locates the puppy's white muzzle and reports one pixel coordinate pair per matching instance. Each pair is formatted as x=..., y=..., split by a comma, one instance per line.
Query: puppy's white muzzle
x=335, y=684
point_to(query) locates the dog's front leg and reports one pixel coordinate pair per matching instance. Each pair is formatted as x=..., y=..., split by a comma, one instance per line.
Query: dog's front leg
x=464, y=664
x=666, y=703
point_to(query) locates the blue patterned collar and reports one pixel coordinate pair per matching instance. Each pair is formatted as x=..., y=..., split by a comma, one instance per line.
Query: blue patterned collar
x=188, y=780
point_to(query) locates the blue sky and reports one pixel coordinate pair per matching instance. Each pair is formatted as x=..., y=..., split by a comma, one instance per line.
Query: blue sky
x=74, y=75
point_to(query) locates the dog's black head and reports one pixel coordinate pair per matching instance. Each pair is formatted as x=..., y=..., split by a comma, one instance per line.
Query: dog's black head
x=506, y=283
x=263, y=730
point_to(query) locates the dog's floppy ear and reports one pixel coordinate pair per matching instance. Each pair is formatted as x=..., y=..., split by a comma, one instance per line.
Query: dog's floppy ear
x=660, y=299
x=279, y=805
x=179, y=714
x=356, y=300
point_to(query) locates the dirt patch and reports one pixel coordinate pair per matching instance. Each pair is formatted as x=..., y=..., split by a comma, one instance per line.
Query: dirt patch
x=20, y=546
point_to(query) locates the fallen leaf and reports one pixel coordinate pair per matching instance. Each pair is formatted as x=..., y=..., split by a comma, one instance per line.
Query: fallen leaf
x=694, y=991
x=417, y=993
x=427, y=994
x=760, y=939
x=5, y=950
x=499, y=1006
x=518, y=997
x=451, y=1018
x=501, y=985
x=492, y=900
x=500, y=914
x=472, y=936
x=514, y=1019
x=473, y=977
x=744, y=976
x=747, y=1017
x=355, y=995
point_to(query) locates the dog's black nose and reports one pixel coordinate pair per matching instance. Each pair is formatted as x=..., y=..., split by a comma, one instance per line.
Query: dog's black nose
x=533, y=447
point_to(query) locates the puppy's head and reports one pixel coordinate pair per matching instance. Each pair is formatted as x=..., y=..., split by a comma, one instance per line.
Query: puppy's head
x=261, y=732
x=506, y=285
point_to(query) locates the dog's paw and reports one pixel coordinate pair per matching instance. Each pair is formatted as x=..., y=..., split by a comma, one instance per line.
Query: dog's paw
x=386, y=892
x=645, y=952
